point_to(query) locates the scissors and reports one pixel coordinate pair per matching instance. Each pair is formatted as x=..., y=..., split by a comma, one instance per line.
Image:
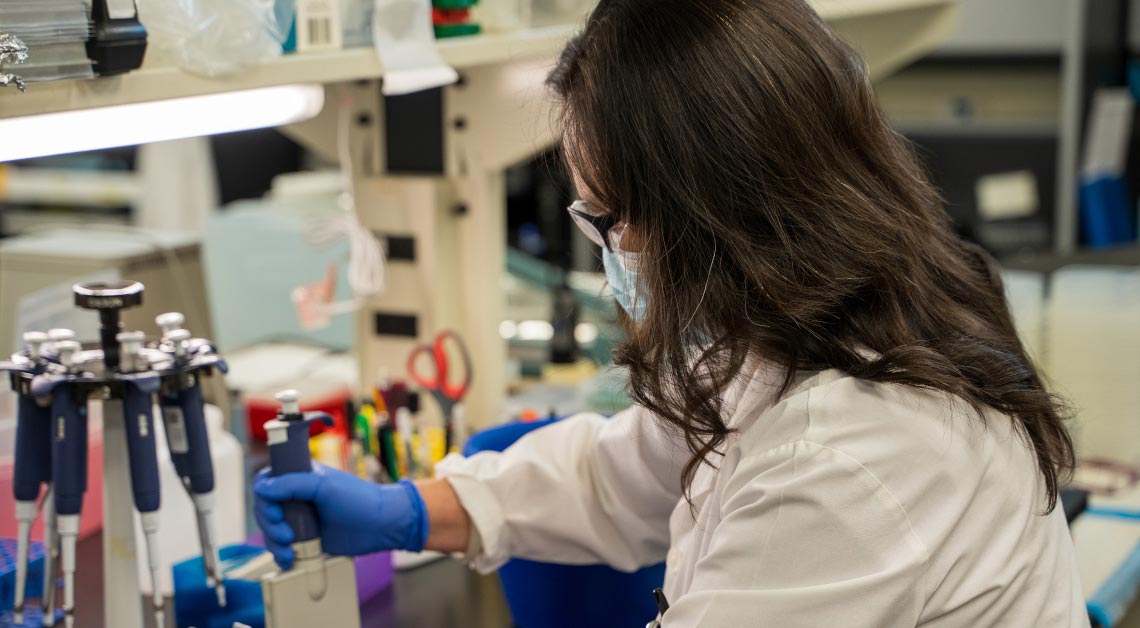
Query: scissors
x=446, y=393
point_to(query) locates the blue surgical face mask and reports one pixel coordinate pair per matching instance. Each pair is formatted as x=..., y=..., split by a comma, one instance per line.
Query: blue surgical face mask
x=623, y=279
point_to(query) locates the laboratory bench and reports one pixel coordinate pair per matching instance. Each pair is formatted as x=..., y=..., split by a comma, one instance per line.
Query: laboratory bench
x=443, y=594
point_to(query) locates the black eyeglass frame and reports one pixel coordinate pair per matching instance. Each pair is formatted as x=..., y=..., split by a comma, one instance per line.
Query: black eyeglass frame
x=601, y=223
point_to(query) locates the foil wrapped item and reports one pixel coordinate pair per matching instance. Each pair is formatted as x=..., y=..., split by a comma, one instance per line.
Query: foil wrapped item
x=12, y=52
x=12, y=79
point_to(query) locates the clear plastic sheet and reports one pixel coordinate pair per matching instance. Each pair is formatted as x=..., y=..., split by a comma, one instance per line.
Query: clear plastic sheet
x=213, y=37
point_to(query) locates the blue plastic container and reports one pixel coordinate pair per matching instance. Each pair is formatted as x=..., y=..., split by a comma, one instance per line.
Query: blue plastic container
x=196, y=604
x=1106, y=212
x=547, y=595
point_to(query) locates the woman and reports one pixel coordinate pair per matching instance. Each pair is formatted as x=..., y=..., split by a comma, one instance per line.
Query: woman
x=835, y=422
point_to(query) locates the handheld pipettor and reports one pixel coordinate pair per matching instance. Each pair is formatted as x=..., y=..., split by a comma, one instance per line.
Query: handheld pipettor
x=138, y=415
x=32, y=465
x=184, y=416
x=69, y=468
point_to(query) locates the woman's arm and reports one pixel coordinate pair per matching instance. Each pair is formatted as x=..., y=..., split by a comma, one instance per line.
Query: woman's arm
x=450, y=527
x=583, y=490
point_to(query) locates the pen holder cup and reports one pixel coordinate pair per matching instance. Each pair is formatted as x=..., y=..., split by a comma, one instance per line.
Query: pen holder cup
x=548, y=595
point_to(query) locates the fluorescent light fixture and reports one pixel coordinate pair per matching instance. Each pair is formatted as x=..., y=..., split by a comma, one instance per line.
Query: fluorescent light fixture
x=535, y=330
x=157, y=121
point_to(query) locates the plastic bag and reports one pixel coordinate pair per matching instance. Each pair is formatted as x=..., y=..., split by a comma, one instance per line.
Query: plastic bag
x=214, y=37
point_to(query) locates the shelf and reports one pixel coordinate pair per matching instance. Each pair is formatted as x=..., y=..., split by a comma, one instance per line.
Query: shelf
x=889, y=33
x=159, y=83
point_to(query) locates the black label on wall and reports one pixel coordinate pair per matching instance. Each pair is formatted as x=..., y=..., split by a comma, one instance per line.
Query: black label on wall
x=389, y=324
x=399, y=248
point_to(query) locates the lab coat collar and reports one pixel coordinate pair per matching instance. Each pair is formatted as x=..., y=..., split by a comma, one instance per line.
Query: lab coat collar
x=752, y=393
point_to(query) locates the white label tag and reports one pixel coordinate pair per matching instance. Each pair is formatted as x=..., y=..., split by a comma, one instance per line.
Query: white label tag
x=175, y=429
x=122, y=9
x=405, y=42
x=318, y=25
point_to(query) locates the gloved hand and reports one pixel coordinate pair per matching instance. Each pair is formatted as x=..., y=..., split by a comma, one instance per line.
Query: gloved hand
x=357, y=517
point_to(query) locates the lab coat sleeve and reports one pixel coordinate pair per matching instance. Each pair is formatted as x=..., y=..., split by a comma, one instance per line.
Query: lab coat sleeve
x=581, y=491
x=808, y=538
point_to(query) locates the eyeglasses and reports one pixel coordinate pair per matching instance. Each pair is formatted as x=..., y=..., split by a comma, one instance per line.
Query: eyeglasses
x=601, y=228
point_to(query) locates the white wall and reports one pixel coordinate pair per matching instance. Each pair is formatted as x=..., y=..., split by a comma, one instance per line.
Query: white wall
x=1028, y=26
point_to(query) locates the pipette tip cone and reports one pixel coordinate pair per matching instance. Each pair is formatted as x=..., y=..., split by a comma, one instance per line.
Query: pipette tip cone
x=159, y=601
x=221, y=591
x=25, y=514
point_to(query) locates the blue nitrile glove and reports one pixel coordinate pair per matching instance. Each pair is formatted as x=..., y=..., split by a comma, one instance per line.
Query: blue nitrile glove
x=357, y=517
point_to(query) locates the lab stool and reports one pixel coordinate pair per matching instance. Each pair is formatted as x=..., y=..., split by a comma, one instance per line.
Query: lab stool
x=548, y=595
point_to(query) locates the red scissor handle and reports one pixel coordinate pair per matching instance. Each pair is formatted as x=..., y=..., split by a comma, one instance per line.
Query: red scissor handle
x=438, y=353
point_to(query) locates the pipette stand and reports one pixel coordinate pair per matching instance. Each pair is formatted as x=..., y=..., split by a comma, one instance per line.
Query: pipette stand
x=122, y=602
x=124, y=374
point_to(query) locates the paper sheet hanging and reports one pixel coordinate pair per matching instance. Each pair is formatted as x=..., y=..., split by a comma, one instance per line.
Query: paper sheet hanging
x=403, y=37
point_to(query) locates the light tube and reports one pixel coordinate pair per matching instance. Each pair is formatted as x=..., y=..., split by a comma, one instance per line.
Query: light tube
x=157, y=121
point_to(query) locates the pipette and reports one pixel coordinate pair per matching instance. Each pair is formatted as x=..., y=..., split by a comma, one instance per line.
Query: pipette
x=69, y=469
x=32, y=464
x=316, y=590
x=288, y=437
x=138, y=414
x=183, y=414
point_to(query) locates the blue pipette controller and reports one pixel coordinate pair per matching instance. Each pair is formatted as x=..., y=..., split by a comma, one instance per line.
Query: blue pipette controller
x=140, y=384
x=68, y=460
x=184, y=416
x=183, y=411
x=288, y=436
x=32, y=463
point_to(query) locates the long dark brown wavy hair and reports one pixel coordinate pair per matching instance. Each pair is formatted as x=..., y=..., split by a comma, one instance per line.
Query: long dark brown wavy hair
x=782, y=218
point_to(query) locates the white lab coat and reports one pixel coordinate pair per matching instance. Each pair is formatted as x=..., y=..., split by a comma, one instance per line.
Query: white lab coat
x=845, y=504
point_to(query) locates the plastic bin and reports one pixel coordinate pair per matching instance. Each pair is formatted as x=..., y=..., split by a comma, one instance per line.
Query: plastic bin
x=548, y=595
